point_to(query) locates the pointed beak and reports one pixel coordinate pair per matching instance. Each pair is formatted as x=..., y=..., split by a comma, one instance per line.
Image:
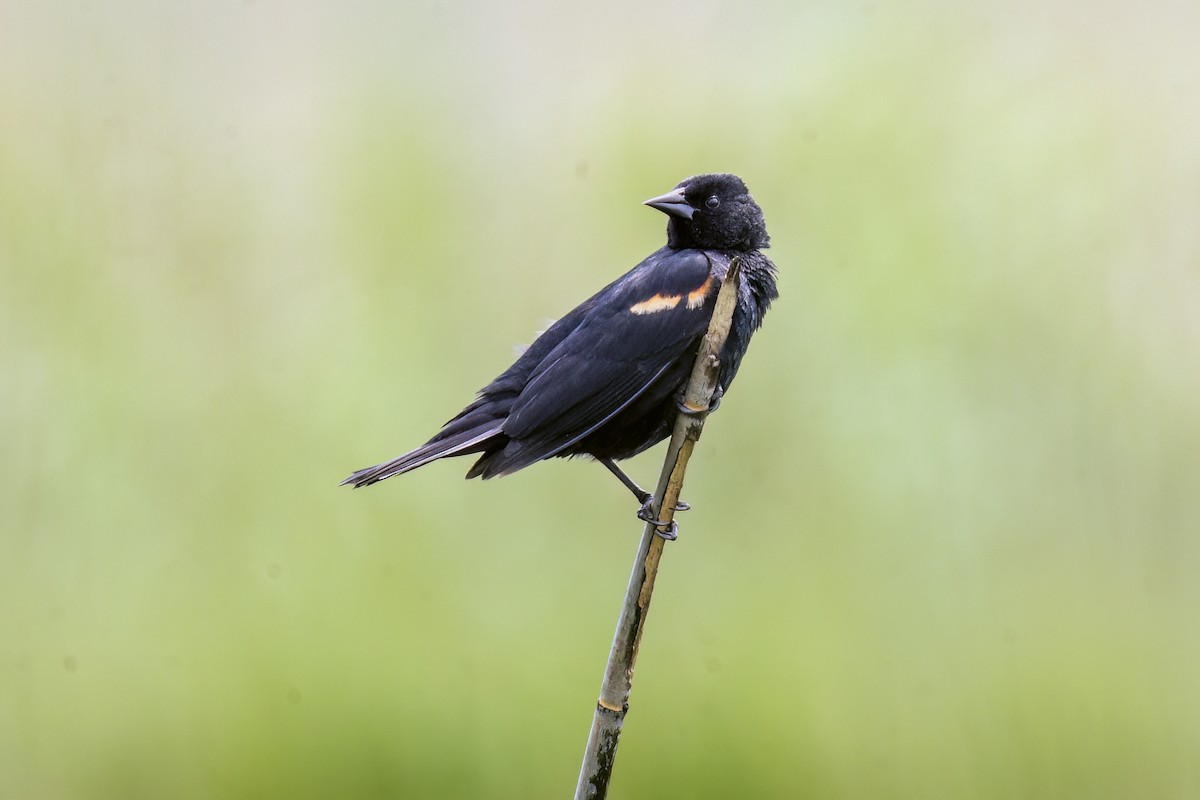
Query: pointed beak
x=672, y=203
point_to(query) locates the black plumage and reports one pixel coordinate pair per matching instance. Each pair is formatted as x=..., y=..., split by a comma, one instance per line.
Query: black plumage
x=605, y=379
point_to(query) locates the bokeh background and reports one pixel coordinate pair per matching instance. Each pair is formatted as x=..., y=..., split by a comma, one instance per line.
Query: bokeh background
x=944, y=542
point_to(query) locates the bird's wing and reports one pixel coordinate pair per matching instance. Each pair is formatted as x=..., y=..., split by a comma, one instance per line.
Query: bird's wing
x=635, y=329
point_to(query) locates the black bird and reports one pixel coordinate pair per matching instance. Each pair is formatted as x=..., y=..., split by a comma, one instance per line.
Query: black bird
x=606, y=379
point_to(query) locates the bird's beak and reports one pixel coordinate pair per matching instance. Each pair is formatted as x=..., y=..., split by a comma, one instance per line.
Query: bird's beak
x=672, y=203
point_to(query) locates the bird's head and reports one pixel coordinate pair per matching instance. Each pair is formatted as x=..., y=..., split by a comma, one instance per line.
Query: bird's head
x=712, y=211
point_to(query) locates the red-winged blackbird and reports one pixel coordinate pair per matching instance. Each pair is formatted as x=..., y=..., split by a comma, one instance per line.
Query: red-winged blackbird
x=606, y=379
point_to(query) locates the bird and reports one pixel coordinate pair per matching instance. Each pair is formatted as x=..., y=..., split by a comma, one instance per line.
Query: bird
x=606, y=379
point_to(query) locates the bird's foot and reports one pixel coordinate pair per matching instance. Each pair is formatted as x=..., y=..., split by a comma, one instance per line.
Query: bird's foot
x=646, y=514
x=692, y=411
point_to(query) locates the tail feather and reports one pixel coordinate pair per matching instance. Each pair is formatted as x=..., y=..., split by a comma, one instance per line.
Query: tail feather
x=470, y=441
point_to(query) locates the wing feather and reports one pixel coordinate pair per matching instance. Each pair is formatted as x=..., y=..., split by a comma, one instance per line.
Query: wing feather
x=611, y=358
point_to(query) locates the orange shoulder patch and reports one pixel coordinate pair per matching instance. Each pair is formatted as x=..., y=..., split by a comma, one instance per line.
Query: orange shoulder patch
x=659, y=302
x=665, y=302
x=696, y=297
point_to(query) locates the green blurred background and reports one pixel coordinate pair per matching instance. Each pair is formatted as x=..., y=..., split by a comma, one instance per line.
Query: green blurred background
x=944, y=542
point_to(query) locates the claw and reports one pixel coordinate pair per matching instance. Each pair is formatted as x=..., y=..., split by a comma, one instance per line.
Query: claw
x=692, y=411
x=646, y=514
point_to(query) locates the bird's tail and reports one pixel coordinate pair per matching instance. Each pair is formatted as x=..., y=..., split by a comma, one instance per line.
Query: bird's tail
x=473, y=440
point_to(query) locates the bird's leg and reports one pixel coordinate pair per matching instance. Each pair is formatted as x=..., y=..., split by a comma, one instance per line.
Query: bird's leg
x=644, y=497
x=641, y=494
x=690, y=411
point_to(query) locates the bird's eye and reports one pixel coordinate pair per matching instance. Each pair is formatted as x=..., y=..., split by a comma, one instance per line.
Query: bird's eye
x=712, y=202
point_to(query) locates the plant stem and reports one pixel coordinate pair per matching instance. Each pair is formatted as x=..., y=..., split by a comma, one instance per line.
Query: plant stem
x=613, y=704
